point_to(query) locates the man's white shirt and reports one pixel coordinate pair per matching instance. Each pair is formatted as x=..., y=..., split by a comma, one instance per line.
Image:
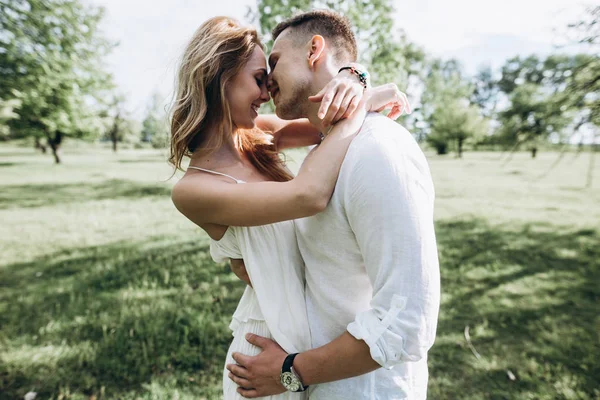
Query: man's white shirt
x=372, y=266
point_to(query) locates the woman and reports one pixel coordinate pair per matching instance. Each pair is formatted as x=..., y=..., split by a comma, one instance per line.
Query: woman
x=237, y=189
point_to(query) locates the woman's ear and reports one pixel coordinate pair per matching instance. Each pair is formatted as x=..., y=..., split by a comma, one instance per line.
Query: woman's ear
x=317, y=47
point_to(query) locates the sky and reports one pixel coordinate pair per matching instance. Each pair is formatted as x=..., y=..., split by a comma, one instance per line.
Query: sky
x=477, y=32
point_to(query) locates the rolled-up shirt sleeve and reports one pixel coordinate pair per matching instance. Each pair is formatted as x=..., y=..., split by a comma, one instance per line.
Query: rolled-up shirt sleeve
x=389, y=205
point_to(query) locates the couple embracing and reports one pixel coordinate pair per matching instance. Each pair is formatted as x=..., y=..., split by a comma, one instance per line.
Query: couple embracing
x=341, y=260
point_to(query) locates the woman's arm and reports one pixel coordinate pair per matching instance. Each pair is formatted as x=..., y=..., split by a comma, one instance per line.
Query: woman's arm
x=206, y=200
x=289, y=134
x=301, y=133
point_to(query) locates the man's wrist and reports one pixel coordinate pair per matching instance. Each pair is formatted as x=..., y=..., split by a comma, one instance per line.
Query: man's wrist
x=300, y=369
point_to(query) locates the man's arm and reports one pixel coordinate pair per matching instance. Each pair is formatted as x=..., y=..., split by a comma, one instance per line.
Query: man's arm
x=238, y=267
x=342, y=358
x=259, y=376
x=389, y=204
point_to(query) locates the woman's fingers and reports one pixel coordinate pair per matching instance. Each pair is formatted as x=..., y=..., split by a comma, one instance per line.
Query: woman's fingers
x=343, y=107
x=326, y=96
x=352, y=107
x=389, y=97
x=358, y=94
x=328, y=100
x=395, y=112
x=334, y=106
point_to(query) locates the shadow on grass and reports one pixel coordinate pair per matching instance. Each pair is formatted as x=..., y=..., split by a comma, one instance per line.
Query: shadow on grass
x=124, y=315
x=116, y=317
x=37, y=195
x=530, y=297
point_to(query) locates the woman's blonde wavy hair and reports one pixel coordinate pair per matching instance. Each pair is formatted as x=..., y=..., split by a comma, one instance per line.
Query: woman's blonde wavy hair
x=219, y=49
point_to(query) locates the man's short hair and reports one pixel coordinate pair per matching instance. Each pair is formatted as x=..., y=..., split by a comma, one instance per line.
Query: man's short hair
x=332, y=26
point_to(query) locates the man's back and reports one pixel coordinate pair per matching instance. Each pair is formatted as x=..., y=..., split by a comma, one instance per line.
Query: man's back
x=353, y=251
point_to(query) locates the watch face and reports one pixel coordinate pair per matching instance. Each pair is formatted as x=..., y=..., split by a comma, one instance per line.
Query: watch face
x=290, y=381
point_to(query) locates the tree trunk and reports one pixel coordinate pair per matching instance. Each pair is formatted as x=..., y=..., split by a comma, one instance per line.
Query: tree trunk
x=55, y=143
x=441, y=149
x=39, y=146
x=460, y=147
x=533, y=152
x=55, y=154
x=114, y=133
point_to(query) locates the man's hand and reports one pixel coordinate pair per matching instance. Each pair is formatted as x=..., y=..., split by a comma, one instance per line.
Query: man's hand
x=239, y=269
x=258, y=376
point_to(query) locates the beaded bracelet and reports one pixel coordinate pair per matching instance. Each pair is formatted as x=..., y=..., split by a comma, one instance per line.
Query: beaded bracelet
x=323, y=136
x=363, y=76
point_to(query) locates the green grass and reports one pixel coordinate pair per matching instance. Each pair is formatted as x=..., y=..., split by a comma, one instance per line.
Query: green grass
x=107, y=292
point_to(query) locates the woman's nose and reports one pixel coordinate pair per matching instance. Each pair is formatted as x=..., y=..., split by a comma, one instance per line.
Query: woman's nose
x=264, y=94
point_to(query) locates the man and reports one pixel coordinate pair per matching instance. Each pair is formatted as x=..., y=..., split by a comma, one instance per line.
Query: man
x=372, y=273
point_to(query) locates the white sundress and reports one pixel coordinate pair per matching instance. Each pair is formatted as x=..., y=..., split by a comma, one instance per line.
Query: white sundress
x=275, y=307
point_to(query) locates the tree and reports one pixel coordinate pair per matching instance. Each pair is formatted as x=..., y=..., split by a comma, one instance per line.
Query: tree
x=457, y=122
x=585, y=84
x=51, y=54
x=485, y=92
x=155, y=128
x=118, y=126
x=586, y=79
x=531, y=118
x=587, y=30
x=449, y=120
x=7, y=113
x=539, y=105
x=116, y=122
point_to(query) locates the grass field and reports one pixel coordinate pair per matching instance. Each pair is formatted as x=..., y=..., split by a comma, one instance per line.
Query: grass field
x=107, y=292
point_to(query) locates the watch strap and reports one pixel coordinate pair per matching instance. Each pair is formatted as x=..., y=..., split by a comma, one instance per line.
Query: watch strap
x=288, y=362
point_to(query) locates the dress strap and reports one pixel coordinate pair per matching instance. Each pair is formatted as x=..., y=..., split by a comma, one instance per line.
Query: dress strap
x=217, y=173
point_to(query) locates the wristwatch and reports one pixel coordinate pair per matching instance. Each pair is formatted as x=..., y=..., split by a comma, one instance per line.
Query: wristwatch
x=289, y=379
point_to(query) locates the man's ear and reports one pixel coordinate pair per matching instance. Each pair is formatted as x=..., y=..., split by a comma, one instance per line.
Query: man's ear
x=317, y=50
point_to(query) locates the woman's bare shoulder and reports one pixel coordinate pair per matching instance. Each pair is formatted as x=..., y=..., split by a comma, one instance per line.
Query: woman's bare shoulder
x=189, y=191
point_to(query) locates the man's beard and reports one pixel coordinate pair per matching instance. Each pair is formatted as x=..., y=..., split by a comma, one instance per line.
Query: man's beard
x=296, y=104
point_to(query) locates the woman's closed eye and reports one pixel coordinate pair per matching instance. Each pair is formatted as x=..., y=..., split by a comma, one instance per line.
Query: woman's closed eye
x=262, y=83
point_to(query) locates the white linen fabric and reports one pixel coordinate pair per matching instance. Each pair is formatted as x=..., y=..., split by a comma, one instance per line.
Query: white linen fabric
x=275, y=307
x=372, y=266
